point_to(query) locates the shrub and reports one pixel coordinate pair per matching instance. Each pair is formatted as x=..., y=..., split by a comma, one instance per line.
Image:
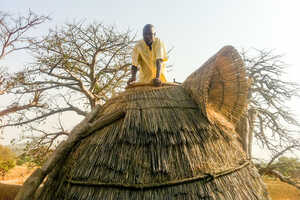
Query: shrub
x=7, y=160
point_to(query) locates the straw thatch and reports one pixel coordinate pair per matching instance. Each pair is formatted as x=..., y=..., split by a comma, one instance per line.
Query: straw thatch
x=165, y=147
x=220, y=86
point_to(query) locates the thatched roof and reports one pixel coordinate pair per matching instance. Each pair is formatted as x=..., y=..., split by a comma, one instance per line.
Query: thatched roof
x=220, y=86
x=165, y=147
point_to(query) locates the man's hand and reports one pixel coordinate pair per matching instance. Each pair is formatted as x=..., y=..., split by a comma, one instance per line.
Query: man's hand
x=156, y=82
x=131, y=80
x=134, y=70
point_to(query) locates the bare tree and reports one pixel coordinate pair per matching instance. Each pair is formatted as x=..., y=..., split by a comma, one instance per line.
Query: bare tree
x=76, y=68
x=13, y=31
x=268, y=119
x=14, y=37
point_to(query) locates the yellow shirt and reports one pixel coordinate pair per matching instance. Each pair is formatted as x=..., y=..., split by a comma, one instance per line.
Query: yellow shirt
x=145, y=60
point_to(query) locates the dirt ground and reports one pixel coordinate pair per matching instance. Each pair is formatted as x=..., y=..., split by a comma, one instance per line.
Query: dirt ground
x=282, y=191
x=17, y=175
x=8, y=192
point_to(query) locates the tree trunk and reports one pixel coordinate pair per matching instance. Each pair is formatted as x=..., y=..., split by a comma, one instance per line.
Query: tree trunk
x=245, y=130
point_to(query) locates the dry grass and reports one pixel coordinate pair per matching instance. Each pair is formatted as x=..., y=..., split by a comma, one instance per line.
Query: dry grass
x=8, y=192
x=10, y=184
x=17, y=175
x=281, y=191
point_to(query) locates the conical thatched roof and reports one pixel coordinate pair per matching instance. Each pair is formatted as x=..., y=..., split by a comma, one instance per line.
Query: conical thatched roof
x=165, y=147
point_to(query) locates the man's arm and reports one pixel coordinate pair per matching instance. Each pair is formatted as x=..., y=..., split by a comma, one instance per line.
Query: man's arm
x=157, y=81
x=161, y=56
x=134, y=70
x=158, y=67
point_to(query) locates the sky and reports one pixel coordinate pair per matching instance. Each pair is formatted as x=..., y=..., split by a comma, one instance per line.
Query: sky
x=196, y=29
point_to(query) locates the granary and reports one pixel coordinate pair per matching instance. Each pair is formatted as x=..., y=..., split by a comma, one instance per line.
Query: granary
x=177, y=141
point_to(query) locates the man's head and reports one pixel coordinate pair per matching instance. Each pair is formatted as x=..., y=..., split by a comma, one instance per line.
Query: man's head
x=148, y=33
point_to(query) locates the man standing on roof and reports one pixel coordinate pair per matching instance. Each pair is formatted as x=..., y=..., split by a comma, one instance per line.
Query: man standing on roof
x=149, y=56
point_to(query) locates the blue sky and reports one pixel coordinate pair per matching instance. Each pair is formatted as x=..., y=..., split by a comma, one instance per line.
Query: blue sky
x=195, y=28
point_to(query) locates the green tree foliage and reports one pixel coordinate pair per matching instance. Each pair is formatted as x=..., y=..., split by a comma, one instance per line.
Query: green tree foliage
x=288, y=166
x=34, y=156
x=284, y=167
x=7, y=160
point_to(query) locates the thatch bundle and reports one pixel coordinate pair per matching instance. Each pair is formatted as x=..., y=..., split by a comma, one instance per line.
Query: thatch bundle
x=166, y=146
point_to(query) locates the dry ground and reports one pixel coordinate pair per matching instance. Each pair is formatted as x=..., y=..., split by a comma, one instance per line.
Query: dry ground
x=17, y=175
x=282, y=191
x=10, y=184
x=8, y=192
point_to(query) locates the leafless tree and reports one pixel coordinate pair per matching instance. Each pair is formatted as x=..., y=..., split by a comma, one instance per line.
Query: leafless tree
x=268, y=118
x=13, y=31
x=76, y=67
x=14, y=37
